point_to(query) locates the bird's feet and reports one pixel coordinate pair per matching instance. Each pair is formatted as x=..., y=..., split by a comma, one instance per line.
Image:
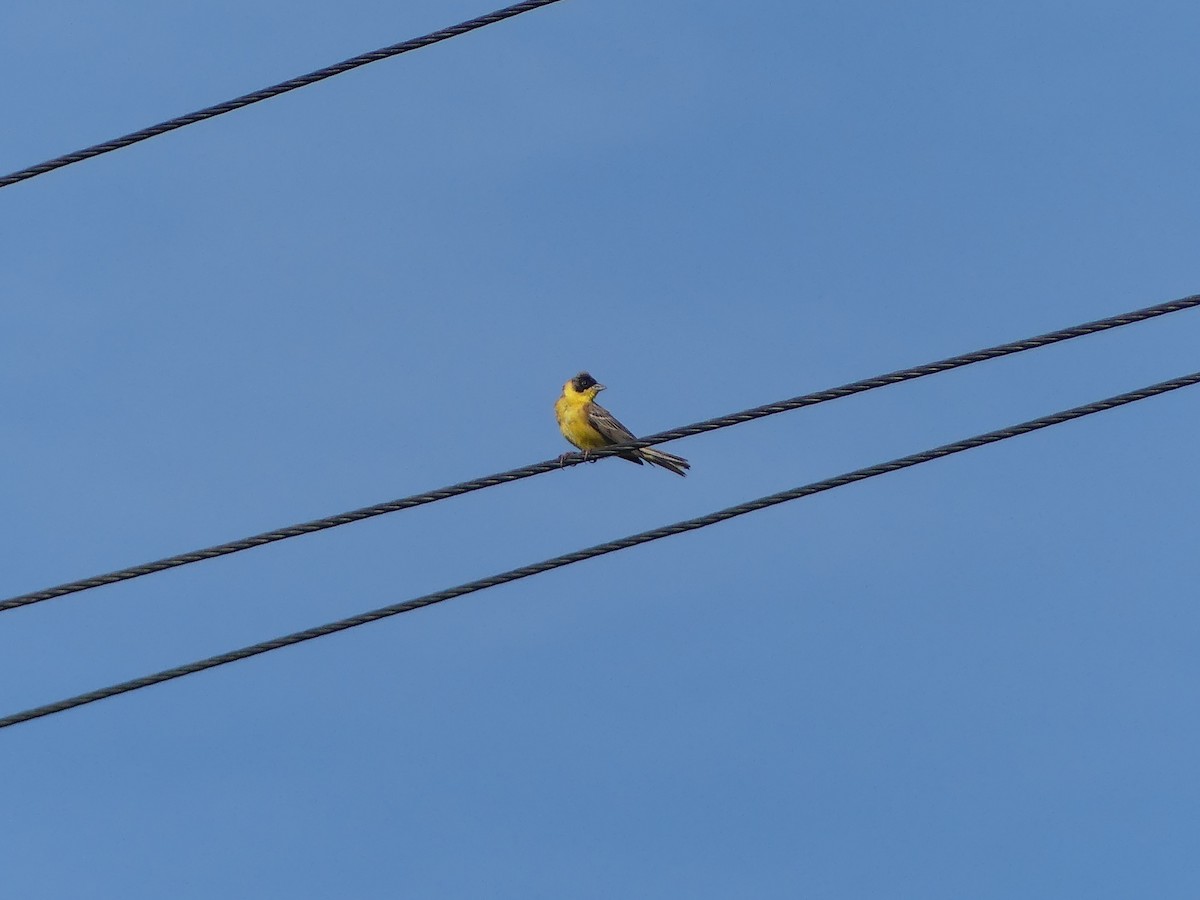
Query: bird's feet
x=586, y=456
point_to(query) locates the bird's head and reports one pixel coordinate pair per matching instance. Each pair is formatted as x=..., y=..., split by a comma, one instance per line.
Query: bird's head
x=583, y=383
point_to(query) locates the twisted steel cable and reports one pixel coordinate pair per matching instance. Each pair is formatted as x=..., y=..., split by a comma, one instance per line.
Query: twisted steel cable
x=624, y=543
x=550, y=465
x=274, y=90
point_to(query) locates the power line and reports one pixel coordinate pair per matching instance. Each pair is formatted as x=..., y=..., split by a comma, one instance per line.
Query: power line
x=602, y=549
x=550, y=465
x=274, y=90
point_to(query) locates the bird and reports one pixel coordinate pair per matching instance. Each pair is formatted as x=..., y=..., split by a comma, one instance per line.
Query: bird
x=589, y=426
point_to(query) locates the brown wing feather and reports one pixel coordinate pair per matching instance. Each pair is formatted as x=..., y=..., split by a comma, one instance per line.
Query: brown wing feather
x=615, y=433
x=612, y=430
x=606, y=423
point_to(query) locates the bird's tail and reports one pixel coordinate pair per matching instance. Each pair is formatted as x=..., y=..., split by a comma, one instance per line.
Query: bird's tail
x=676, y=464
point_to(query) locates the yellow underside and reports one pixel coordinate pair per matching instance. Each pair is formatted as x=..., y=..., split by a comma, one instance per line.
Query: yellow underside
x=571, y=412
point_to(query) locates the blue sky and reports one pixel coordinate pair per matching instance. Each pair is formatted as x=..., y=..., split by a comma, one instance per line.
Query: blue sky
x=973, y=678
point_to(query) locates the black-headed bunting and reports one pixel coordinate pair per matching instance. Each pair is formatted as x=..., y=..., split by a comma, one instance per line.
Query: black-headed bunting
x=589, y=426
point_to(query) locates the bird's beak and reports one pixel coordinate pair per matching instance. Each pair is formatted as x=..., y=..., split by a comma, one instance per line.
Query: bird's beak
x=600, y=387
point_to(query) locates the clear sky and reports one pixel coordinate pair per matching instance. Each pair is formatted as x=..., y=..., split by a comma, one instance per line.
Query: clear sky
x=976, y=678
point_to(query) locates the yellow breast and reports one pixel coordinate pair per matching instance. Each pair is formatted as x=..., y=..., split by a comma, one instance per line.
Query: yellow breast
x=571, y=412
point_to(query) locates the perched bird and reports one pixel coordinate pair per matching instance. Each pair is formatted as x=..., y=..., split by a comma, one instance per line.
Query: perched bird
x=589, y=426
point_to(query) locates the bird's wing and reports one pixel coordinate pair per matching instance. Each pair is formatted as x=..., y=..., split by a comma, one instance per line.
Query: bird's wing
x=606, y=423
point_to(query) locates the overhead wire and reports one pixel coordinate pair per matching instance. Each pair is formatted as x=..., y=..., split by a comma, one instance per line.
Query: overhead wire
x=274, y=90
x=550, y=465
x=624, y=543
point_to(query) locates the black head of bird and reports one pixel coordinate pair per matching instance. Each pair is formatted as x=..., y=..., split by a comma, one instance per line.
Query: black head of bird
x=583, y=382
